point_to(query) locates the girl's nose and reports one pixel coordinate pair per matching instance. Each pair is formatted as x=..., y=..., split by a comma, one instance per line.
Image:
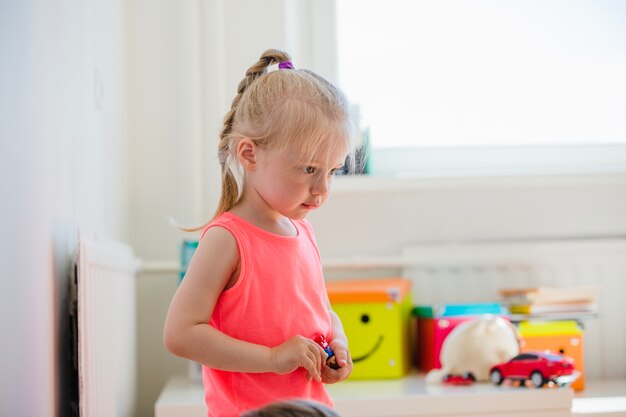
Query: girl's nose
x=320, y=186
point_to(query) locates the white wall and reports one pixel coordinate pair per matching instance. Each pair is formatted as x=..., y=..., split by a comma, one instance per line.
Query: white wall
x=165, y=152
x=62, y=165
x=379, y=218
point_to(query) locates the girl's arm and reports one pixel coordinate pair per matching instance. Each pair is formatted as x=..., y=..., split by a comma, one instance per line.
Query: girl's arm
x=339, y=344
x=188, y=334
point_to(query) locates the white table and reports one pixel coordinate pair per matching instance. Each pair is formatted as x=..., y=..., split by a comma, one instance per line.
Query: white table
x=601, y=399
x=409, y=397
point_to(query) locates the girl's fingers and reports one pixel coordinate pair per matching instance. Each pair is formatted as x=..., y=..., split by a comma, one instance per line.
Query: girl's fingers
x=319, y=353
x=329, y=375
x=346, y=360
x=312, y=365
x=342, y=358
x=301, y=352
x=342, y=354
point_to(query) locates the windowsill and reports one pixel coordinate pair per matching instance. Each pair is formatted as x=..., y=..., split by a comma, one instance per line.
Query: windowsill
x=512, y=160
x=450, y=179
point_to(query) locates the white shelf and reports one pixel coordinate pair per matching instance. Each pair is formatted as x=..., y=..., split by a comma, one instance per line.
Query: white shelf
x=181, y=397
x=601, y=399
x=411, y=397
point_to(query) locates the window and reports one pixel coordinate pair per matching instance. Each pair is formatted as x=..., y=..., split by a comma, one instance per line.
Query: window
x=487, y=86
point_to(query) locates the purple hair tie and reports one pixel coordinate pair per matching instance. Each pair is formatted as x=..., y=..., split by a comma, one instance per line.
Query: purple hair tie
x=285, y=65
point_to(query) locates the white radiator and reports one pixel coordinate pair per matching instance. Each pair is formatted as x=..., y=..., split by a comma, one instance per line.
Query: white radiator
x=106, y=328
x=473, y=272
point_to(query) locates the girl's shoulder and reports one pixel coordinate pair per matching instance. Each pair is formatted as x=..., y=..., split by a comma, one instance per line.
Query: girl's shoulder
x=219, y=236
x=214, y=262
x=229, y=230
x=221, y=221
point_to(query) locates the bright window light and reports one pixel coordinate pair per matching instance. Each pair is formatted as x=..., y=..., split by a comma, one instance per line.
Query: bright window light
x=503, y=73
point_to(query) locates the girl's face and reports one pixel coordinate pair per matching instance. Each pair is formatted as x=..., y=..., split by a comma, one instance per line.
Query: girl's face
x=288, y=183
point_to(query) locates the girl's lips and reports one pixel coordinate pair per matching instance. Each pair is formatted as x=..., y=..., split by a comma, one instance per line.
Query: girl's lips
x=309, y=206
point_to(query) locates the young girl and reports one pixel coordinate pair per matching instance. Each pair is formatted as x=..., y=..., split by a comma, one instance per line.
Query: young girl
x=253, y=298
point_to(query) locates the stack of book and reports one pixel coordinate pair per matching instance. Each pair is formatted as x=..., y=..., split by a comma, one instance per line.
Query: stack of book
x=551, y=301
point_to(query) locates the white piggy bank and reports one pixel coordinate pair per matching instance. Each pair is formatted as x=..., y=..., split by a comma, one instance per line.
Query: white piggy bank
x=475, y=346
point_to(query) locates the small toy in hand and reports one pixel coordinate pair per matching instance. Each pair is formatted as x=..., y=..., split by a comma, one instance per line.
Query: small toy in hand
x=331, y=360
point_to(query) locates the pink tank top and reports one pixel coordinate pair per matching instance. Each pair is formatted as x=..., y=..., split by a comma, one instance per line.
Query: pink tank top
x=280, y=293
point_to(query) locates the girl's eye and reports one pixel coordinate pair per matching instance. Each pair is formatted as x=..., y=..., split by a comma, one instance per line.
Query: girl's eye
x=333, y=172
x=309, y=170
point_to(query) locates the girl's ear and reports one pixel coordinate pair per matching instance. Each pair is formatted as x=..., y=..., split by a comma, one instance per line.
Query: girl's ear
x=246, y=154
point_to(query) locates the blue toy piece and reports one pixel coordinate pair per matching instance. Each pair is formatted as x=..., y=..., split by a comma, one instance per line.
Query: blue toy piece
x=331, y=360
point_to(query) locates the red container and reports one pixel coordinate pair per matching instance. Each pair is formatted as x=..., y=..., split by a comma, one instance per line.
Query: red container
x=434, y=324
x=431, y=332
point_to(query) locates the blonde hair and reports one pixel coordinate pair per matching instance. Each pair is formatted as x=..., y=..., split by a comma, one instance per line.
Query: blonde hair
x=294, y=408
x=275, y=109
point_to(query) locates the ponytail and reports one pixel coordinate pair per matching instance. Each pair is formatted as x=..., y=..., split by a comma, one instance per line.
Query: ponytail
x=231, y=188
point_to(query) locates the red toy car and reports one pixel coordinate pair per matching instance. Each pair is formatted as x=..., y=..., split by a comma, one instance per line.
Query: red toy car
x=538, y=367
x=463, y=379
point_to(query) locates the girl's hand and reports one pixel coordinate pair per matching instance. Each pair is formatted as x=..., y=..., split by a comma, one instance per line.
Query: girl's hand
x=329, y=375
x=298, y=352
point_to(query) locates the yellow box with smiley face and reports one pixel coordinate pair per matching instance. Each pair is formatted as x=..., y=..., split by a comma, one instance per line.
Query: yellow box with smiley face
x=375, y=314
